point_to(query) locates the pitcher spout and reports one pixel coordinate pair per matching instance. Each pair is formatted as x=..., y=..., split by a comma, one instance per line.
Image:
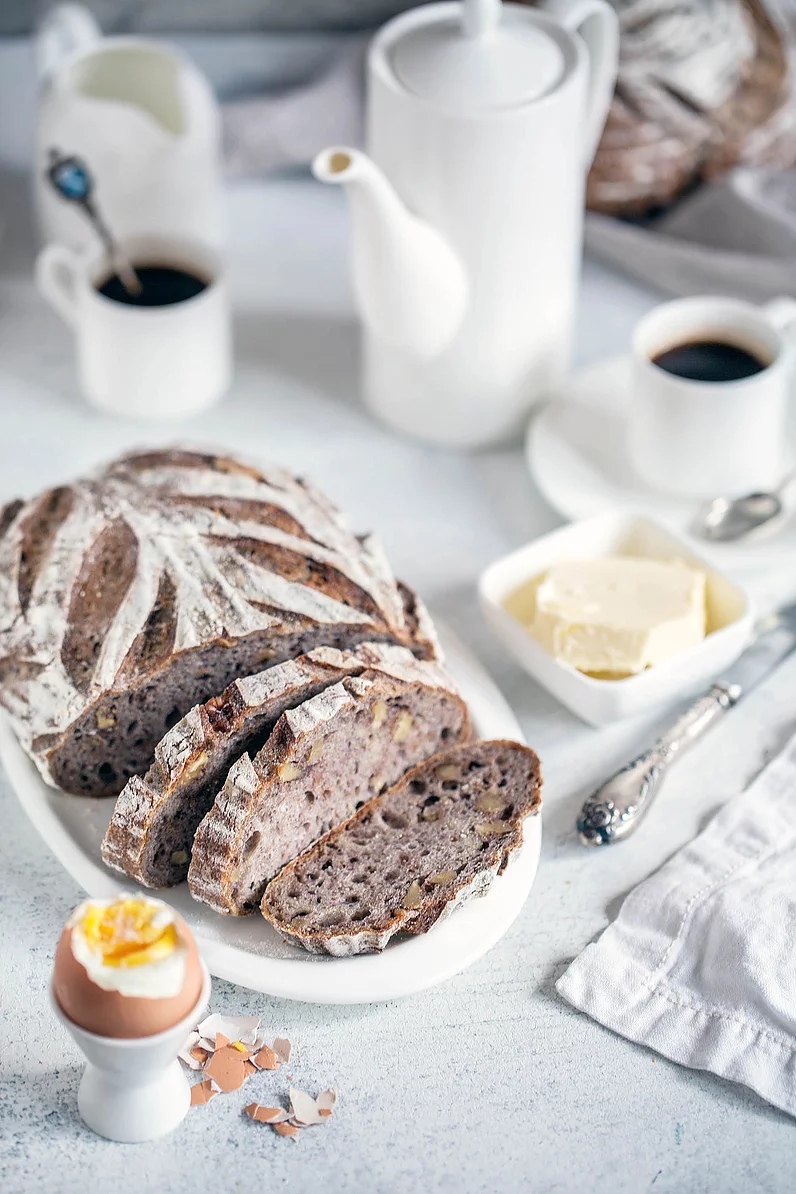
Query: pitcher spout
x=410, y=287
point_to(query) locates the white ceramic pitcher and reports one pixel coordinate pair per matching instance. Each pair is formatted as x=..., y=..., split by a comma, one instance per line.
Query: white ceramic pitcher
x=146, y=122
x=467, y=210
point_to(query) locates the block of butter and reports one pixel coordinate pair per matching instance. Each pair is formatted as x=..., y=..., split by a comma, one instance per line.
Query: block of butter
x=617, y=615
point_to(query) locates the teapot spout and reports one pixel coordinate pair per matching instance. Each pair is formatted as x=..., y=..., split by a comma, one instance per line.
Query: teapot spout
x=410, y=286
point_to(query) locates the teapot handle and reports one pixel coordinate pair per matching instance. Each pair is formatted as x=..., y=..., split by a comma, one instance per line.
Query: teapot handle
x=65, y=30
x=597, y=23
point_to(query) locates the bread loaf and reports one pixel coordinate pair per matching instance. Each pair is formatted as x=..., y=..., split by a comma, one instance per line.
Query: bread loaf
x=322, y=760
x=703, y=85
x=438, y=837
x=151, y=832
x=131, y=596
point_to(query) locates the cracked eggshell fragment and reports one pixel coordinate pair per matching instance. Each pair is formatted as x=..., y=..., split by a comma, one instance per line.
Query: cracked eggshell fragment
x=202, y=1092
x=285, y=1129
x=326, y=1102
x=266, y=1059
x=187, y=1055
x=234, y=1028
x=303, y=1108
x=227, y=1068
x=282, y=1048
x=266, y=1115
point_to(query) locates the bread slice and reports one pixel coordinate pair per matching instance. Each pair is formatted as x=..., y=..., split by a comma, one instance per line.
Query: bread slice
x=409, y=857
x=128, y=597
x=321, y=762
x=151, y=832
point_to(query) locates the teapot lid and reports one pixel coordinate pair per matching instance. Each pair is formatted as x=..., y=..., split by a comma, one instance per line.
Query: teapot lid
x=472, y=59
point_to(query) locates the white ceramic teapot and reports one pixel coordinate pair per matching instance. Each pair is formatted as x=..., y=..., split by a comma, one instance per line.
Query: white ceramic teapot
x=467, y=210
x=144, y=119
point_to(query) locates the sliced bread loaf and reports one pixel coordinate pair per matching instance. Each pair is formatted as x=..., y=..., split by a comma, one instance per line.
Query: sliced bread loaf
x=411, y=856
x=321, y=762
x=155, y=817
x=151, y=832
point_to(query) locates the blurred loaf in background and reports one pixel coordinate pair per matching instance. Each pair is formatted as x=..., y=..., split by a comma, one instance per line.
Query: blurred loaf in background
x=704, y=85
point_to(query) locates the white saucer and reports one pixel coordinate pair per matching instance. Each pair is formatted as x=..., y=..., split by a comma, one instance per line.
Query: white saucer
x=575, y=450
x=245, y=949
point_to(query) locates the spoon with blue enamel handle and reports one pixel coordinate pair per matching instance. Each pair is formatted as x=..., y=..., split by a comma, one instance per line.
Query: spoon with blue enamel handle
x=71, y=178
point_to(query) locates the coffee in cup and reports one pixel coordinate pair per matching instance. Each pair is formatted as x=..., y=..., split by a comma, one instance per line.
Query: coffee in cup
x=161, y=286
x=710, y=394
x=711, y=360
x=162, y=353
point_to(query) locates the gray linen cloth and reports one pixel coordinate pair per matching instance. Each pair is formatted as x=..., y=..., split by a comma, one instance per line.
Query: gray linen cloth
x=734, y=237
x=285, y=129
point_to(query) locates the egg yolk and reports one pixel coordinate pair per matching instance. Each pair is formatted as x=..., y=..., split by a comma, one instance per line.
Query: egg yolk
x=125, y=933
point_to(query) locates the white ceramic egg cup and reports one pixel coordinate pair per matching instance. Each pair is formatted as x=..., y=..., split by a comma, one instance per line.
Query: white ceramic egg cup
x=134, y=1089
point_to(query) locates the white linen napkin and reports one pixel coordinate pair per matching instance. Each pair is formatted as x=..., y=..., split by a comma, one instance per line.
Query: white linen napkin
x=700, y=964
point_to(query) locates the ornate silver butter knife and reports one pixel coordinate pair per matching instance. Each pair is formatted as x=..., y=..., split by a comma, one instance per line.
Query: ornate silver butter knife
x=614, y=811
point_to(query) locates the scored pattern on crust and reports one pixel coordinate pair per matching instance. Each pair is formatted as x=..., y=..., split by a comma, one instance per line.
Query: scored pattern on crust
x=104, y=580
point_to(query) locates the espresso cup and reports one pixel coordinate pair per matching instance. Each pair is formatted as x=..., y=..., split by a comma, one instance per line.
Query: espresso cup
x=699, y=438
x=165, y=361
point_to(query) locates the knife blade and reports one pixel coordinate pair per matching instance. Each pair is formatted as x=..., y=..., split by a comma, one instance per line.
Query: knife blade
x=774, y=639
x=617, y=807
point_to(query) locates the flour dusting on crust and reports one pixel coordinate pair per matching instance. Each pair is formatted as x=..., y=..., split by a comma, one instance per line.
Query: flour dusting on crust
x=105, y=581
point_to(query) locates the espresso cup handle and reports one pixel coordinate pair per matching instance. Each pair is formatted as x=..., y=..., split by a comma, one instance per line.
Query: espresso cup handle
x=781, y=312
x=56, y=277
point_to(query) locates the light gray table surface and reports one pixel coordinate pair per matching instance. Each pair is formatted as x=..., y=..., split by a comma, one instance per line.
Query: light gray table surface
x=490, y=1082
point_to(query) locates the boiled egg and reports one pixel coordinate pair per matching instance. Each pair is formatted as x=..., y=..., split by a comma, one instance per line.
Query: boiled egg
x=126, y=968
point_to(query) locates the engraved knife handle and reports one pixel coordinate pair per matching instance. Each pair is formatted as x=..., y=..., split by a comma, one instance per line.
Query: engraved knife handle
x=616, y=808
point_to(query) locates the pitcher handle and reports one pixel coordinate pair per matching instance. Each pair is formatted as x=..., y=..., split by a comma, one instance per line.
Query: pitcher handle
x=57, y=268
x=65, y=30
x=598, y=25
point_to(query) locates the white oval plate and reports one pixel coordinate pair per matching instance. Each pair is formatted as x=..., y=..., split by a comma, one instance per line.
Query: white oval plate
x=246, y=950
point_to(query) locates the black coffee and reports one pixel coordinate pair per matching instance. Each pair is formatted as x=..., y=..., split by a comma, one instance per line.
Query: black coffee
x=161, y=286
x=709, y=360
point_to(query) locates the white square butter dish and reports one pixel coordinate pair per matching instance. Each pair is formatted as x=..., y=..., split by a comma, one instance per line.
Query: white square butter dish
x=730, y=618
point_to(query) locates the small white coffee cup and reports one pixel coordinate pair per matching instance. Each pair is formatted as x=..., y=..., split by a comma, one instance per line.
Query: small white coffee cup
x=161, y=362
x=703, y=438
